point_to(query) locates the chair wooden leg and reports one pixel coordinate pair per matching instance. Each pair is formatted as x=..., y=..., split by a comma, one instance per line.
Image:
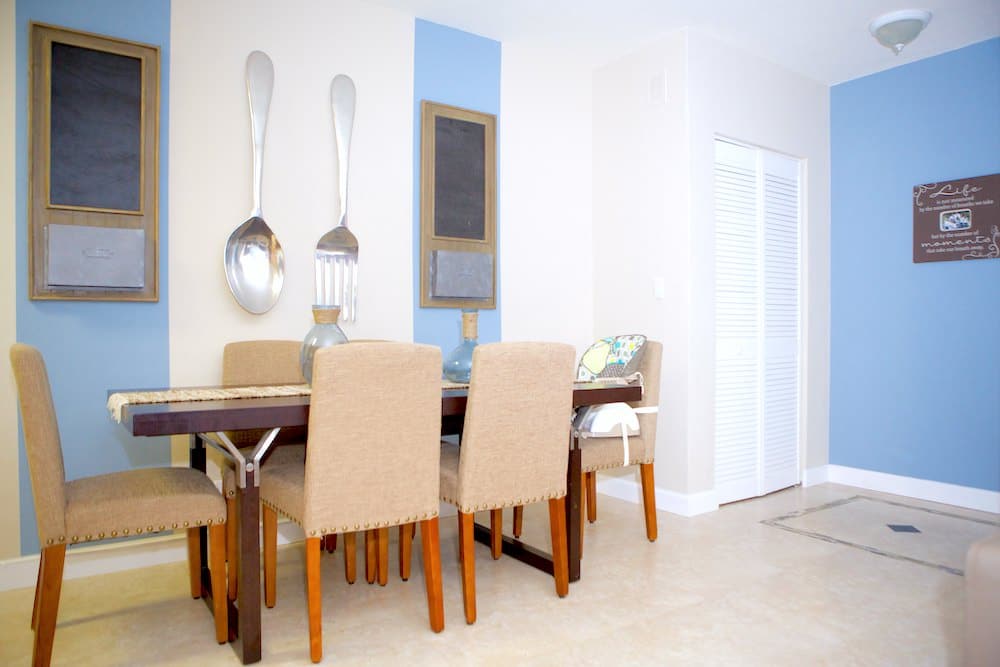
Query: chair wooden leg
x=217, y=568
x=371, y=554
x=270, y=518
x=583, y=508
x=194, y=558
x=382, y=536
x=648, y=499
x=431, y=544
x=560, y=558
x=405, y=549
x=350, y=557
x=518, y=520
x=591, y=487
x=314, y=599
x=232, y=551
x=496, y=533
x=467, y=557
x=330, y=542
x=50, y=585
x=38, y=587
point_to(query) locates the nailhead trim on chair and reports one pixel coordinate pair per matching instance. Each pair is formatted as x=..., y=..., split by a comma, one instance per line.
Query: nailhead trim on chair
x=348, y=529
x=507, y=503
x=76, y=539
x=608, y=466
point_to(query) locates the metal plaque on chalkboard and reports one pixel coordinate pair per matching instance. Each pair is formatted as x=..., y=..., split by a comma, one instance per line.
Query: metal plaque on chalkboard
x=461, y=275
x=95, y=257
x=955, y=220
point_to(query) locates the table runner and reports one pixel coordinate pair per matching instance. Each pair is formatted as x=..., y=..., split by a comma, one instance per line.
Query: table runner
x=118, y=400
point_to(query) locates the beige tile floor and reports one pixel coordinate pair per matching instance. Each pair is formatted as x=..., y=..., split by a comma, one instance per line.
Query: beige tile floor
x=717, y=589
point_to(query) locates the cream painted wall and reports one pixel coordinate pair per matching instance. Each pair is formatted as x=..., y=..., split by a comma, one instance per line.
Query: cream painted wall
x=656, y=113
x=210, y=166
x=641, y=231
x=742, y=97
x=545, y=148
x=10, y=523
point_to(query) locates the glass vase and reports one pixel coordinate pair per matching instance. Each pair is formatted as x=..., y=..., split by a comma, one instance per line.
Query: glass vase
x=458, y=363
x=324, y=333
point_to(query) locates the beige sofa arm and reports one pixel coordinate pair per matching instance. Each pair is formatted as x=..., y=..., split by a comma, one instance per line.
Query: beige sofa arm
x=982, y=603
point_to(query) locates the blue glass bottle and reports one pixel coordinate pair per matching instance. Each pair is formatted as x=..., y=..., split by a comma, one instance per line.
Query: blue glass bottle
x=324, y=333
x=458, y=363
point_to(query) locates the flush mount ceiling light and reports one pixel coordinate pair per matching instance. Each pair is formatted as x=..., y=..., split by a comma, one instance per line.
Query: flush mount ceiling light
x=897, y=29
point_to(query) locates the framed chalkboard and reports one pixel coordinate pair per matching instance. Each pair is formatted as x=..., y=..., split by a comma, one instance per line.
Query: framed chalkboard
x=457, y=207
x=93, y=166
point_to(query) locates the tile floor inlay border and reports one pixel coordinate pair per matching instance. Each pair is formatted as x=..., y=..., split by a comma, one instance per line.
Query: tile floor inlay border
x=775, y=522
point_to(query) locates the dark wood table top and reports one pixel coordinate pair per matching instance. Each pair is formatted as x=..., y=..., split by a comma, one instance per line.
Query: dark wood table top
x=234, y=414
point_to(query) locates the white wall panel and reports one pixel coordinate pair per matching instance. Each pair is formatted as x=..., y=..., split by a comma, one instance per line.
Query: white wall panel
x=545, y=154
x=210, y=165
x=641, y=226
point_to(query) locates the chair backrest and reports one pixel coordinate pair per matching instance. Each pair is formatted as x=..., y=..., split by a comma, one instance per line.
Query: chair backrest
x=253, y=362
x=373, y=453
x=649, y=367
x=517, y=424
x=41, y=441
x=259, y=362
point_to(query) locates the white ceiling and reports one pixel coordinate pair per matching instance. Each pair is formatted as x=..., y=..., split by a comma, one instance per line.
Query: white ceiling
x=826, y=40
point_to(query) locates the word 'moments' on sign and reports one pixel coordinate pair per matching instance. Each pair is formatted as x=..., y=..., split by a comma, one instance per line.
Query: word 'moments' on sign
x=957, y=219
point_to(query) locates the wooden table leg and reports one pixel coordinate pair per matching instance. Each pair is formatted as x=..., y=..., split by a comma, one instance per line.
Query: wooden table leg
x=197, y=461
x=573, y=510
x=248, y=646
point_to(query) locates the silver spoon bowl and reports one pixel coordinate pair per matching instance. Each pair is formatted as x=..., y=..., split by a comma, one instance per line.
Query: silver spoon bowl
x=255, y=265
x=254, y=261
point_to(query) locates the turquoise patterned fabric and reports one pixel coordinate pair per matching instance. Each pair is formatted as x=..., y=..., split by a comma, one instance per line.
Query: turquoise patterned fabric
x=613, y=356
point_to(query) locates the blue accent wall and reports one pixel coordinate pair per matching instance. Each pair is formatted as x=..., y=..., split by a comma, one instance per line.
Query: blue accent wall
x=90, y=347
x=463, y=70
x=915, y=348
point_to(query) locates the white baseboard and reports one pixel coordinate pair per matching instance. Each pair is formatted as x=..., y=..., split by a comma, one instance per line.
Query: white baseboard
x=814, y=476
x=98, y=559
x=690, y=504
x=923, y=489
x=699, y=503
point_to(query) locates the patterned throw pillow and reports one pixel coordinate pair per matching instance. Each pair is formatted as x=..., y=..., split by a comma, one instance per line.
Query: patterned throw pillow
x=614, y=356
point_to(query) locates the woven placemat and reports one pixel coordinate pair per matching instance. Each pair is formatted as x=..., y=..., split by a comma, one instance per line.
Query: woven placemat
x=117, y=401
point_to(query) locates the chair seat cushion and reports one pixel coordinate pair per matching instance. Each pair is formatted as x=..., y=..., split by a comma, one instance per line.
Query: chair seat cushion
x=133, y=502
x=600, y=453
x=277, y=457
x=449, y=472
x=282, y=489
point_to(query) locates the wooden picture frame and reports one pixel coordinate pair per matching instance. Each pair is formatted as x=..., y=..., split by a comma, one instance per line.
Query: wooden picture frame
x=93, y=167
x=457, y=207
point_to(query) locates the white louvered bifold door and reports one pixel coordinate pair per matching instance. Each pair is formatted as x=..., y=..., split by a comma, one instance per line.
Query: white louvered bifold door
x=756, y=321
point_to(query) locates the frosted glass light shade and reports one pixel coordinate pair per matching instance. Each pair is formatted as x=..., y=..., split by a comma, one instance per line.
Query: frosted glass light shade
x=897, y=29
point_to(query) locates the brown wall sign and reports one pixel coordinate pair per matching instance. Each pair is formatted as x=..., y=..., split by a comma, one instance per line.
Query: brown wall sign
x=957, y=220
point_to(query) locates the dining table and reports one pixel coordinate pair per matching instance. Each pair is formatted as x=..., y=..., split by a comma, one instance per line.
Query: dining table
x=284, y=419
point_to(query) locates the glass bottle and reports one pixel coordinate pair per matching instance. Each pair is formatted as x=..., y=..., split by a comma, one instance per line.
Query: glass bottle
x=458, y=363
x=324, y=333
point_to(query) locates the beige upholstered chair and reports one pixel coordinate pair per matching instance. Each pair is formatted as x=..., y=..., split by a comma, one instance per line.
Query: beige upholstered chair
x=982, y=603
x=256, y=362
x=605, y=453
x=119, y=504
x=513, y=447
x=372, y=460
